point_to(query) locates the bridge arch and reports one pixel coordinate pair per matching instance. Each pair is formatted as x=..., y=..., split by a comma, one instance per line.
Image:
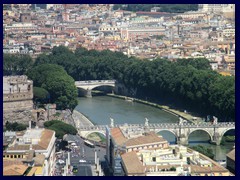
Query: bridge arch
x=87, y=89
x=226, y=130
x=90, y=132
x=168, y=131
x=200, y=129
x=102, y=85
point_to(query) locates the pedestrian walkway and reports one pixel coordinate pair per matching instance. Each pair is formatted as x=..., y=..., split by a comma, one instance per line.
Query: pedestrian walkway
x=80, y=119
x=185, y=115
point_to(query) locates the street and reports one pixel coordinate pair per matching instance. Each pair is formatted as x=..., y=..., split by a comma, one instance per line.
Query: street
x=81, y=156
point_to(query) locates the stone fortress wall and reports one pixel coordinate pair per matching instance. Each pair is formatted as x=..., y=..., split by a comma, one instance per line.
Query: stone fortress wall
x=17, y=99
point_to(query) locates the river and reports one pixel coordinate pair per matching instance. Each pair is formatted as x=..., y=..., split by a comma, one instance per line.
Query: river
x=100, y=109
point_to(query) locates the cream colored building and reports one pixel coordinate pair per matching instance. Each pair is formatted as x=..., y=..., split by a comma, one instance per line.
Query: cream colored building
x=173, y=161
x=34, y=147
x=121, y=140
x=216, y=7
x=228, y=10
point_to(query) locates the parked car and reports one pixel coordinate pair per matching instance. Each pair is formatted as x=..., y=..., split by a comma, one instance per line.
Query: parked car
x=75, y=169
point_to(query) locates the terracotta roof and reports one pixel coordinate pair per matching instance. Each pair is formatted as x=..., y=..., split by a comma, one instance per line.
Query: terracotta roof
x=118, y=136
x=199, y=169
x=132, y=163
x=44, y=140
x=7, y=162
x=147, y=139
x=14, y=170
x=231, y=154
x=19, y=147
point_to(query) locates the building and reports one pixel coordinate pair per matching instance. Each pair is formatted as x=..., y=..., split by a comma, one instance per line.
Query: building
x=17, y=168
x=216, y=7
x=108, y=28
x=121, y=141
x=172, y=161
x=17, y=98
x=142, y=153
x=34, y=148
x=228, y=10
x=231, y=161
x=20, y=26
x=131, y=34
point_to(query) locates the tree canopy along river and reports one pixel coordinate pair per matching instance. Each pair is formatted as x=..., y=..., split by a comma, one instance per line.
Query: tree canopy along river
x=100, y=109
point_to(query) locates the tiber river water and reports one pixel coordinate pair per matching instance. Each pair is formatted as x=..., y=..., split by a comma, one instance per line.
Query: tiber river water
x=99, y=109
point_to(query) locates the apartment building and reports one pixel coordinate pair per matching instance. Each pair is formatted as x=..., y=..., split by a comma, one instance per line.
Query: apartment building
x=35, y=148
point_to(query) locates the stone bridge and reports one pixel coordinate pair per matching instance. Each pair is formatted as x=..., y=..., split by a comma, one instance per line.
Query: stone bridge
x=88, y=86
x=180, y=131
x=84, y=131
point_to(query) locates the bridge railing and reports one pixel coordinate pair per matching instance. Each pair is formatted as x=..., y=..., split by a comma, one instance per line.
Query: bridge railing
x=161, y=125
x=78, y=83
x=98, y=127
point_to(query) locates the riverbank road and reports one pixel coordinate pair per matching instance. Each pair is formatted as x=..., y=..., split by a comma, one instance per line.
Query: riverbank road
x=184, y=114
x=81, y=120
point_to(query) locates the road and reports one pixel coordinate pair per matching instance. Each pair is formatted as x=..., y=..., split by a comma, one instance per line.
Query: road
x=85, y=153
x=84, y=171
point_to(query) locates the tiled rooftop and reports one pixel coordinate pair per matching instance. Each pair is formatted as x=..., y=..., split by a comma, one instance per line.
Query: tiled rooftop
x=132, y=163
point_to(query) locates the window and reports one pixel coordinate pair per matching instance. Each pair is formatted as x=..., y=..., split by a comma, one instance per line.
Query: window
x=154, y=159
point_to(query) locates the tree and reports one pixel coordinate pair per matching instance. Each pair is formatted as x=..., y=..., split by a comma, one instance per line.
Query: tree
x=42, y=59
x=186, y=83
x=204, y=150
x=16, y=64
x=60, y=128
x=57, y=82
x=81, y=51
x=15, y=126
x=40, y=95
x=198, y=63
